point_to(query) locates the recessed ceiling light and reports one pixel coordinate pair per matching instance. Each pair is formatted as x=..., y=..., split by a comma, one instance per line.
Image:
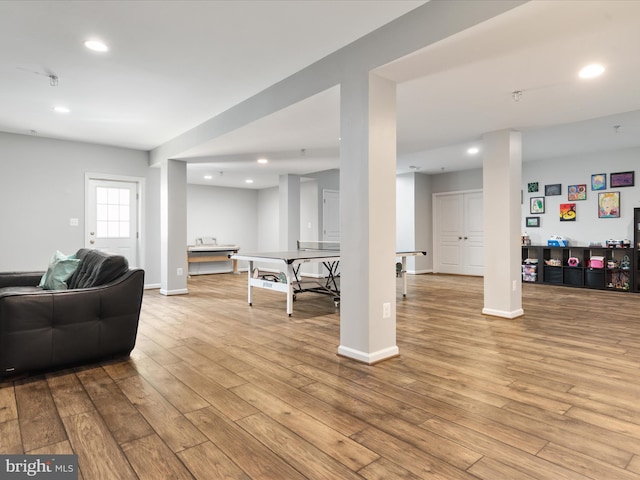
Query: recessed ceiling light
x=96, y=46
x=61, y=109
x=473, y=150
x=248, y=180
x=208, y=177
x=591, y=71
x=263, y=160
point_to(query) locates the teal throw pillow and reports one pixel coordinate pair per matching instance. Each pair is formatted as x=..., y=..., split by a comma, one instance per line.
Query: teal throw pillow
x=61, y=267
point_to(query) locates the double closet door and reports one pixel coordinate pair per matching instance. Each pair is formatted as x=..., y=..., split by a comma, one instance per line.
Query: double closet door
x=459, y=233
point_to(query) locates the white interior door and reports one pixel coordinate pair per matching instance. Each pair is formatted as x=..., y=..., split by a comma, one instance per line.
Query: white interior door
x=458, y=226
x=331, y=215
x=449, y=218
x=112, y=217
x=473, y=234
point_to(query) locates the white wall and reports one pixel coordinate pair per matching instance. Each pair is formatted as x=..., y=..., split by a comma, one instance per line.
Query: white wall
x=578, y=170
x=457, y=181
x=262, y=235
x=228, y=214
x=42, y=186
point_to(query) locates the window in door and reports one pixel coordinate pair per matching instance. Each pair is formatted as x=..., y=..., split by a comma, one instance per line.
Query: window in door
x=112, y=212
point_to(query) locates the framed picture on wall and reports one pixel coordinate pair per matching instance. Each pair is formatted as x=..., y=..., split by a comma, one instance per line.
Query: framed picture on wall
x=567, y=212
x=533, y=222
x=551, y=190
x=536, y=205
x=599, y=181
x=576, y=192
x=609, y=205
x=621, y=179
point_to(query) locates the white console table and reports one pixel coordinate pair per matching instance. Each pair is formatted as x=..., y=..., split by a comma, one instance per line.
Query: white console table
x=212, y=253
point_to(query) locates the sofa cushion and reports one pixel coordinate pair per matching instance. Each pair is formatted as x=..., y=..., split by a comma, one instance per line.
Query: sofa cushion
x=97, y=268
x=61, y=267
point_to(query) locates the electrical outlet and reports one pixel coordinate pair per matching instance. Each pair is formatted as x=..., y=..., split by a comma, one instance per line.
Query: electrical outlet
x=73, y=222
x=179, y=272
x=386, y=310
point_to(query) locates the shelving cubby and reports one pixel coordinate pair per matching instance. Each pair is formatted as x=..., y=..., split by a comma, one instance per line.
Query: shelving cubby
x=531, y=264
x=618, y=274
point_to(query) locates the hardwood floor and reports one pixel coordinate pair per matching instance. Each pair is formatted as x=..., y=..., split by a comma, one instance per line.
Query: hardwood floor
x=217, y=389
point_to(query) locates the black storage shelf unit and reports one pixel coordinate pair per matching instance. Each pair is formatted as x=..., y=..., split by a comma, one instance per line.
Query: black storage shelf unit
x=620, y=267
x=636, y=249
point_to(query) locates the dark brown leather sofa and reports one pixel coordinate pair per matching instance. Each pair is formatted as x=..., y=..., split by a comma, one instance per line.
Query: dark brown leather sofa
x=95, y=319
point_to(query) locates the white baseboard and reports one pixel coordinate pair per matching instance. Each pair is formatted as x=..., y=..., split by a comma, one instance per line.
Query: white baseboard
x=180, y=291
x=504, y=314
x=151, y=286
x=369, y=358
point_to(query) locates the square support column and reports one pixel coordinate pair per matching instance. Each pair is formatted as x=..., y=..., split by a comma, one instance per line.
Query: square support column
x=289, y=203
x=368, y=219
x=173, y=227
x=502, y=172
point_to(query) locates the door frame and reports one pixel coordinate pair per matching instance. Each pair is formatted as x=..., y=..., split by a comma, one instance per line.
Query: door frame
x=140, y=182
x=436, y=228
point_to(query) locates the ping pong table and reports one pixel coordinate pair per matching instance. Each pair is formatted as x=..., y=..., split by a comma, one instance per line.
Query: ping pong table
x=290, y=281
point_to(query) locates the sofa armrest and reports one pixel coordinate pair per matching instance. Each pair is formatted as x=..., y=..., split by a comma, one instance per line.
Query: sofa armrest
x=20, y=279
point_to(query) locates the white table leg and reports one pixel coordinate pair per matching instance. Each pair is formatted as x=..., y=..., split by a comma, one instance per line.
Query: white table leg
x=404, y=276
x=249, y=275
x=290, y=278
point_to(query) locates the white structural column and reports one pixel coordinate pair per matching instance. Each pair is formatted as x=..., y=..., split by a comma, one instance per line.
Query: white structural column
x=368, y=218
x=289, y=202
x=502, y=172
x=173, y=227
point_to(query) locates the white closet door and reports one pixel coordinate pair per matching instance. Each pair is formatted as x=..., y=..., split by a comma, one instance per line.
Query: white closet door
x=459, y=233
x=474, y=234
x=450, y=227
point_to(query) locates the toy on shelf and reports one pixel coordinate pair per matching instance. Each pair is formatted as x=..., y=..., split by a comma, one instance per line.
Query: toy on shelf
x=626, y=243
x=625, y=263
x=557, y=241
x=596, y=262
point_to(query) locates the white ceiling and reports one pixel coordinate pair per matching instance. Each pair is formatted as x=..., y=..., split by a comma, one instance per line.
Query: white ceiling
x=173, y=65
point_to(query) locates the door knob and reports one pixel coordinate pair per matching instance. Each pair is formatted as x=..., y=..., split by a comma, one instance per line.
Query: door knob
x=459, y=238
x=92, y=242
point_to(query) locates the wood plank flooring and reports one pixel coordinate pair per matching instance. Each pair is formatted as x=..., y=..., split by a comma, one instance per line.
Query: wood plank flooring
x=217, y=389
